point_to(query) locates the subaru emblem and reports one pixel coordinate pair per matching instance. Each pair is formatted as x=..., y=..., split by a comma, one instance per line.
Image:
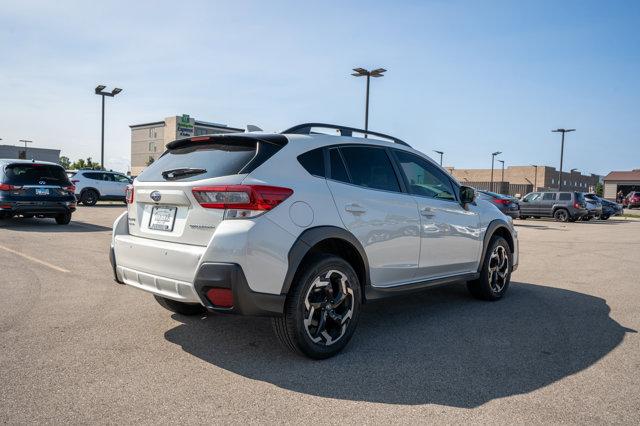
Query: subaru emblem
x=155, y=196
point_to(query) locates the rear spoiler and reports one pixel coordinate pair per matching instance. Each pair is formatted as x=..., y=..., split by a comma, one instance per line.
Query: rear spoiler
x=275, y=139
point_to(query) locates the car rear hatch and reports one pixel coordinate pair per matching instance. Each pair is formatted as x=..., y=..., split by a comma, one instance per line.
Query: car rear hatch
x=181, y=196
x=35, y=184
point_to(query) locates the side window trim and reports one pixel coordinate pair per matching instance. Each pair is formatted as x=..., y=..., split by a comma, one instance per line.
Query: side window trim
x=328, y=165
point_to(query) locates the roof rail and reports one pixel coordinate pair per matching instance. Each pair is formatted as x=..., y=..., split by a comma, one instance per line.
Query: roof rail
x=305, y=129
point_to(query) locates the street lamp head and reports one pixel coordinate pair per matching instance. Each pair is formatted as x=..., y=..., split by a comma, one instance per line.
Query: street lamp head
x=497, y=153
x=378, y=72
x=100, y=88
x=116, y=91
x=501, y=161
x=360, y=72
x=438, y=152
x=563, y=130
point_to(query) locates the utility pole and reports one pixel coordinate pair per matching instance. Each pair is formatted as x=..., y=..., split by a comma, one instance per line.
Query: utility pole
x=493, y=157
x=563, y=131
x=502, y=177
x=25, y=142
x=99, y=90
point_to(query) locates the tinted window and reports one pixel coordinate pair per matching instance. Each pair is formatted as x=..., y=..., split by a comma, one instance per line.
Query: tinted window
x=121, y=178
x=531, y=197
x=565, y=196
x=370, y=167
x=424, y=178
x=35, y=174
x=313, y=162
x=203, y=160
x=579, y=197
x=549, y=196
x=93, y=175
x=338, y=171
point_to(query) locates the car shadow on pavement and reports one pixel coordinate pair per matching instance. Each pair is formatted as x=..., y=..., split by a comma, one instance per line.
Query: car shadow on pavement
x=49, y=225
x=435, y=347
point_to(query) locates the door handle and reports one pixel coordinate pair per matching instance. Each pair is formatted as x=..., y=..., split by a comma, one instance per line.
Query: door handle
x=355, y=208
x=427, y=212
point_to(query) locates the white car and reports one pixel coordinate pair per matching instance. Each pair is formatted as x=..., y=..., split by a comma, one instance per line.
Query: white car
x=304, y=227
x=94, y=185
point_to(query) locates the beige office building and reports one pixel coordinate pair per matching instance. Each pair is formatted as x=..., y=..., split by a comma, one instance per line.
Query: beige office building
x=148, y=140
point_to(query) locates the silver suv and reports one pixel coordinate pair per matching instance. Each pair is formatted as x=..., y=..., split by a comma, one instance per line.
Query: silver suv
x=305, y=227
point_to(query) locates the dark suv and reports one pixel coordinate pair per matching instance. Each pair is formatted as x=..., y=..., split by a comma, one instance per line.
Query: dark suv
x=562, y=206
x=35, y=188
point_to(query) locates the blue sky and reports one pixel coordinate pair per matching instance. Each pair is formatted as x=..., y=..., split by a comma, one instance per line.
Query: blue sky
x=465, y=77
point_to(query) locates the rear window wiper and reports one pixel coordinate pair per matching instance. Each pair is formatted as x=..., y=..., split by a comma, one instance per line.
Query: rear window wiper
x=187, y=171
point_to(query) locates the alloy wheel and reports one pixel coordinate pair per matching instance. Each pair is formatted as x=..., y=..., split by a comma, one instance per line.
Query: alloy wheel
x=328, y=308
x=498, y=269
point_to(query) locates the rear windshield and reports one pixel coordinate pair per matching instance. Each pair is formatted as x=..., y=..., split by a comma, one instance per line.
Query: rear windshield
x=204, y=160
x=35, y=174
x=579, y=196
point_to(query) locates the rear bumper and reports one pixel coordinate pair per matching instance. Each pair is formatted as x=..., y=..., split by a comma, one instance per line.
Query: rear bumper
x=174, y=271
x=37, y=207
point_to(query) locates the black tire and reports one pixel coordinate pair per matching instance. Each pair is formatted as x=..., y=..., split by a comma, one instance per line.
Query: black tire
x=561, y=215
x=524, y=217
x=604, y=217
x=494, y=279
x=187, y=309
x=63, y=218
x=330, y=326
x=27, y=216
x=89, y=197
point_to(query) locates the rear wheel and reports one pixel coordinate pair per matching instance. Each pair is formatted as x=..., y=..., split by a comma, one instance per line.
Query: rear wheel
x=187, y=309
x=27, y=216
x=496, y=271
x=63, y=218
x=322, y=310
x=561, y=215
x=89, y=197
x=604, y=217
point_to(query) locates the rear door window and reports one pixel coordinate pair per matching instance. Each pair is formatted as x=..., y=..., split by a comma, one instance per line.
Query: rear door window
x=565, y=196
x=549, y=196
x=370, y=167
x=35, y=174
x=204, y=160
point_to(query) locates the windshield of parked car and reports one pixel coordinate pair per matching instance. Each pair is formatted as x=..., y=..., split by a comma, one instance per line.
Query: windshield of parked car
x=21, y=174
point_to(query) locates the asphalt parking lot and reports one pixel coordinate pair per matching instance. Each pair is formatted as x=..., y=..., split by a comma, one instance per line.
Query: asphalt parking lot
x=561, y=347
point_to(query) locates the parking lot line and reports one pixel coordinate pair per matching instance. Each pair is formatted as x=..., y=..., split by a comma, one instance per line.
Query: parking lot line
x=33, y=259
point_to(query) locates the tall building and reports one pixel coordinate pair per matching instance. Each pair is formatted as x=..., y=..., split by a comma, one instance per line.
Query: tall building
x=148, y=140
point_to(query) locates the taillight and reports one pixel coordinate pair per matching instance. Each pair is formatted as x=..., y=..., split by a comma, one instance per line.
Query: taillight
x=577, y=205
x=128, y=194
x=70, y=188
x=240, y=201
x=74, y=181
x=221, y=297
x=7, y=187
x=501, y=201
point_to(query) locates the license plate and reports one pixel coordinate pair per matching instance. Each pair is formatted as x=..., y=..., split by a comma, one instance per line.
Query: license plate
x=42, y=191
x=163, y=218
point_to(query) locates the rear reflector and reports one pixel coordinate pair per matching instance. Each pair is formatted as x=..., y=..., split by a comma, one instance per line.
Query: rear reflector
x=241, y=200
x=128, y=194
x=220, y=297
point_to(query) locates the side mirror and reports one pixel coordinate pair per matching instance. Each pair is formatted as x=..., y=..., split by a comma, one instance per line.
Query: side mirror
x=467, y=195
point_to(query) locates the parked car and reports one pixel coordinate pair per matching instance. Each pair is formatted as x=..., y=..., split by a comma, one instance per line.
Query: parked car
x=608, y=208
x=632, y=200
x=31, y=188
x=94, y=185
x=304, y=227
x=594, y=208
x=562, y=206
x=506, y=204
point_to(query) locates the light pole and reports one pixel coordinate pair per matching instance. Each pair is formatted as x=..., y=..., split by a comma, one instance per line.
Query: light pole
x=493, y=157
x=535, y=177
x=25, y=142
x=502, y=176
x=100, y=91
x=441, y=154
x=563, y=131
x=361, y=72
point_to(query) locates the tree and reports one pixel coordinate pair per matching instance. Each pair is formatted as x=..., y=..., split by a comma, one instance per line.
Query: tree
x=65, y=162
x=599, y=189
x=85, y=164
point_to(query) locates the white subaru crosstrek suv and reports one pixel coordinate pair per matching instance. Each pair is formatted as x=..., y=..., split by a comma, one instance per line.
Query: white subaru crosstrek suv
x=304, y=227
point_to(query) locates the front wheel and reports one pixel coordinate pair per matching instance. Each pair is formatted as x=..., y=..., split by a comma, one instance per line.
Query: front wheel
x=89, y=197
x=495, y=275
x=322, y=310
x=187, y=309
